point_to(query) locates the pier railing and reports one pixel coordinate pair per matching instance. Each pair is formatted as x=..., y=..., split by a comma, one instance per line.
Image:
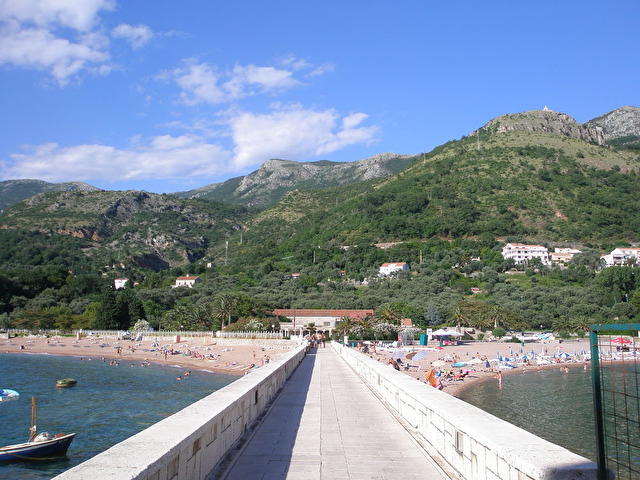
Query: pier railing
x=191, y=443
x=461, y=437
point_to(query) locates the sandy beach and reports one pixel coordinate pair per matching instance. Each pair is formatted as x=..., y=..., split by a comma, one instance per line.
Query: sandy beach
x=192, y=353
x=485, y=350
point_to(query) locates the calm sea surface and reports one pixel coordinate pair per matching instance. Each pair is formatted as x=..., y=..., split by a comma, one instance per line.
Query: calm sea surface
x=107, y=405
x=554, y=405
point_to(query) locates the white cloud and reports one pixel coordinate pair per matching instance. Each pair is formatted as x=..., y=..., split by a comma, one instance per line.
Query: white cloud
x=295, y=133
x=204, y=83
x=61, y=37
x=161, y=157
x=38, y=48
x=136, y=35
x=79, y=15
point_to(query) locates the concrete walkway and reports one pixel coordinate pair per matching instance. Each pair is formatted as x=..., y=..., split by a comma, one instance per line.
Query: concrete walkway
x=326, y=424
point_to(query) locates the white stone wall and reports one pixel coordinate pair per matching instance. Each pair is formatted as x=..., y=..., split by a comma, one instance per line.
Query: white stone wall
x=189, y=444
x=477, y=445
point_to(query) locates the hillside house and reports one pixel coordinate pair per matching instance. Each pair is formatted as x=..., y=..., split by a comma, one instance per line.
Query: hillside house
x=188, y=281
x=120, y=283
x=622, y=256
x=323, y=320
x=522, y=254
x=393, y=267
x=563, y=255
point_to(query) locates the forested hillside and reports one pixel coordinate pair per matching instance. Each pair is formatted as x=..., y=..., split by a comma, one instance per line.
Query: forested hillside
x=448, y=215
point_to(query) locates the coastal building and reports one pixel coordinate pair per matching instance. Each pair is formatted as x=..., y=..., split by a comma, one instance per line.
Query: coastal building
x=323, y=320
x=522, y=253
x=188, y=281
x=294, y=275
x=563, y=255
x=120, y=283
x=393, y=267
x=621, y=256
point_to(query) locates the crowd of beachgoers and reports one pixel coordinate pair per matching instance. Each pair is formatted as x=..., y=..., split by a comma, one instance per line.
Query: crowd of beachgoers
x=453, y=368
x=196, y=353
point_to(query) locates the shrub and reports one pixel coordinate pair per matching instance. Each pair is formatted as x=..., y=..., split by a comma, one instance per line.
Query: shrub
x=499, y=332
x=481, y=336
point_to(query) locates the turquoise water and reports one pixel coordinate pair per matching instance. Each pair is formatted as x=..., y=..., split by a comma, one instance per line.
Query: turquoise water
x=554, y=405
x=109, y=403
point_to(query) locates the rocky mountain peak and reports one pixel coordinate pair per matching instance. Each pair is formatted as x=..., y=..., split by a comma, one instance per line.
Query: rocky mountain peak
x=547, y=121
x=619, y=123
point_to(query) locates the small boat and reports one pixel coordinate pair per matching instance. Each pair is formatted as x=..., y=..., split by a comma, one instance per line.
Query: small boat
x=41, y=446
x=66, y=382
x=7, y=395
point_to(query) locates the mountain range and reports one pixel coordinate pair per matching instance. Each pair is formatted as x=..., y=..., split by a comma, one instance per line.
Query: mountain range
x=538, y=175
x=275, y=178
x=13, y=191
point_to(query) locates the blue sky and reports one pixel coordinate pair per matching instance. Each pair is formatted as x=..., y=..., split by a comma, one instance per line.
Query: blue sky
x=166, y=96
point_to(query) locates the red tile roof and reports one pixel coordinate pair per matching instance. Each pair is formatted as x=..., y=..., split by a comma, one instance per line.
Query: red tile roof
x=188, y=278
x=307, y=312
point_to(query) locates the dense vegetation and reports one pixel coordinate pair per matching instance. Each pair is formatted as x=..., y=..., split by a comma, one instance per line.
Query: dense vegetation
x=449, y=214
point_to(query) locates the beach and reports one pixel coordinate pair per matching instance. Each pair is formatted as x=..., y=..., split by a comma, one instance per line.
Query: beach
x=477, y=371
x=191, y=353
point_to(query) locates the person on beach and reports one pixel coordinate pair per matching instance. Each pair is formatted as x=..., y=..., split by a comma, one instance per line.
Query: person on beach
x=499, y=377
x=394, y=364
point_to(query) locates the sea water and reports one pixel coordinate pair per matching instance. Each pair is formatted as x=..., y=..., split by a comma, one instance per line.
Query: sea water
x=108, y=405
x=554, y=405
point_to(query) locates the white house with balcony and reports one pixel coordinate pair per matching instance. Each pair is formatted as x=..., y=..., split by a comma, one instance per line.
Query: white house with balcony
x=189, y=281
x=120, y=283
x=523, y=254
x=393, y=267
x=622, y=256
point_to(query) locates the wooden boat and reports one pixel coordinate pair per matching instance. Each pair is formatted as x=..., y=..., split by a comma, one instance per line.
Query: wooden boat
x=41, y=446
x=66, y=382
x=7, y=395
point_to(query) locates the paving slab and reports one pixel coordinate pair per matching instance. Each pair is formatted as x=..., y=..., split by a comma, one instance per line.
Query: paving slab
x=326, y=424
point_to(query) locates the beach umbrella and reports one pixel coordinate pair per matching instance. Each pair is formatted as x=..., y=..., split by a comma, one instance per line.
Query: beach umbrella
x=397, y=354
x=487, y=364
x=620, y=340
x=438, y=363
x=417, y=356
x=474, y=361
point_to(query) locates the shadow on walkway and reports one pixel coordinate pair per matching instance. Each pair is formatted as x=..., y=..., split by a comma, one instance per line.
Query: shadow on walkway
x=269, y=452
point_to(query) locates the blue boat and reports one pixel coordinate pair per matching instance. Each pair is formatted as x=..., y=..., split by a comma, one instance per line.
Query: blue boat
x=41, y=446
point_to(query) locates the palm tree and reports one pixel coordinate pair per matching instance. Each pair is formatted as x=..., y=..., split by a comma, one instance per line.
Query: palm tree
x=224, y=305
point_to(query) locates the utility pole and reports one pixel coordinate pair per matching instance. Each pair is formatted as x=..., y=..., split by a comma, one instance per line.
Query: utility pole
x=420, y=257
x=314, y=255
x=241, y=237
x=478, y=139
x=226, y=252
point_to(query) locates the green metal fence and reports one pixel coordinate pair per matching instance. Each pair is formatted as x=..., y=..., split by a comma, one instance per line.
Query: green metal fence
x=615, y=373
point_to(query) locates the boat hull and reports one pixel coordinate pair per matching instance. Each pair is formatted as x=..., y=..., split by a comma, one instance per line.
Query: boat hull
x=37, y=450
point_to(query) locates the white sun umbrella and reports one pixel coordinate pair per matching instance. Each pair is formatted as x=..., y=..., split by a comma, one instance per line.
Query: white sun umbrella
x=438, y=363
x=419, y=356
x=474, y=361
x=397, y=354
x=441, y=332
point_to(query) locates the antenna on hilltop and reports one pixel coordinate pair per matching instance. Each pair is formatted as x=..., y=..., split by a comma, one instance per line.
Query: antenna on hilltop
x=226, y=251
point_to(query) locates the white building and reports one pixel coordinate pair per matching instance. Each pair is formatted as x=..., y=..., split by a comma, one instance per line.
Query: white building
x=120, y=283
x=622, y=256
x=523, y=254
x=322, y=320
x=393, y=267
x=186, y=282
x=563, y=255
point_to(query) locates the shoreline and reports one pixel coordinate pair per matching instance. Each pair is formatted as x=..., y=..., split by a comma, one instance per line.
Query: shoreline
x=478, y=373
x=235, y=360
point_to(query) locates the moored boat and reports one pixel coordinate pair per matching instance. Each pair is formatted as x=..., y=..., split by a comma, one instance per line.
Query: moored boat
x=7, y=395
x=66, y=382
x=41, y=446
